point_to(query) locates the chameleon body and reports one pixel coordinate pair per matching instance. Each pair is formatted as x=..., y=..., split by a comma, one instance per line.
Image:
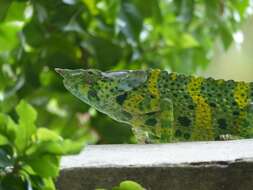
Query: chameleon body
x=167, y=107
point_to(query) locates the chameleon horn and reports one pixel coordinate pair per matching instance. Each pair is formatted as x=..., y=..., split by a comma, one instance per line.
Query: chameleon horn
x=62, y=72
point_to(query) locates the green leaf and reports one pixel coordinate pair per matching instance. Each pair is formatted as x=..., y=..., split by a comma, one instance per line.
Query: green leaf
x=49, y=142
x=226, y=36
x=45, y=165
x=3, y=140
x=58, y=148
x=44, y=134
x=11, y=129
x=49, y=184
x=149, y=8
x=72, y=146
x=130, y=21
x=8, y=35
x=27, y=116
x=16, y=11
x=42, y=183
x=3, y=121
x=91, y=4
x=4, y=5
x=187, y=41
x=130, y=185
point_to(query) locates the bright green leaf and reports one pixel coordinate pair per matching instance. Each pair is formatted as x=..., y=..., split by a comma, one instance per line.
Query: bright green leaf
x=91, y=4
x=11, y=129
x=188, y=41
x=45, y=166
x=49, y=184
x=26, y=128
x=65, y=147
x=72, y=146
x=27, y=114
x=16, y=11
x=44, y=134
x=9, y=35
x=130, y=185
x=3, y=140
x=58, y=148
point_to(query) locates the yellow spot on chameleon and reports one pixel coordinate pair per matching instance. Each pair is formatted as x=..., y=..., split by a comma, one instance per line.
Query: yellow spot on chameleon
x=194, y=86
x=241, y=94
x=173, y=76
x=203, y=129
x=152, y=82
x=131, y=104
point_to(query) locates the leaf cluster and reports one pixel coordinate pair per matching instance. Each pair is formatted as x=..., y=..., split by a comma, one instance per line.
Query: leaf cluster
x=30, y=156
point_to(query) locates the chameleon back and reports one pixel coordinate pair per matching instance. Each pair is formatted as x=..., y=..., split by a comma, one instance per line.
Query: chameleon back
x=208, y=109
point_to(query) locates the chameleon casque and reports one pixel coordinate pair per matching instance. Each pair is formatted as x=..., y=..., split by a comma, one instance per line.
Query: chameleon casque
x=167, y=107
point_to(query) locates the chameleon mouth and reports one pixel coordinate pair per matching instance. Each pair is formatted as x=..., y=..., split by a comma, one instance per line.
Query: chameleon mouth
x=62, y=72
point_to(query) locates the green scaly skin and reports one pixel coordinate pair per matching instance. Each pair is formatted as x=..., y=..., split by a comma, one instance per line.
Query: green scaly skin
x=167, y=107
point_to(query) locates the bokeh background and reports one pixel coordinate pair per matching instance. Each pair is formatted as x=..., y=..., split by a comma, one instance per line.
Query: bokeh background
x=208, y=38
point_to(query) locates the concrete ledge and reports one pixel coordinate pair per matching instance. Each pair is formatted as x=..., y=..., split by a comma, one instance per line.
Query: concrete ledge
x=180, y=166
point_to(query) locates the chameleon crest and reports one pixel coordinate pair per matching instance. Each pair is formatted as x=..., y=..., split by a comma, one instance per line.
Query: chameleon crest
x=167, y=107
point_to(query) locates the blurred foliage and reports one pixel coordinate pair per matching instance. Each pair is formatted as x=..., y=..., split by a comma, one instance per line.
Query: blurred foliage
x=38, y=35
x=30, y=156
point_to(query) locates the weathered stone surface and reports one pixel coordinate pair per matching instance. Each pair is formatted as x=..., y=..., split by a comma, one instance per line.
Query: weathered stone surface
x=223, y=165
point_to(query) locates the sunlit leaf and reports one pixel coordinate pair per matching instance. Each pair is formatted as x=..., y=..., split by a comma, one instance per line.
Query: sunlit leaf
x=45, y=166
x=91, y=4
x=129, y=185
x=8, y=35
x=16, y=12
x=44, y=134
x=187, y=41
x=3, y=140
x=27, y=116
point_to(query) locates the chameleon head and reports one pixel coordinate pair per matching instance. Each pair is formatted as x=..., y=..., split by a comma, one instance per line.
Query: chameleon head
x=81, y=83
x=103, y=90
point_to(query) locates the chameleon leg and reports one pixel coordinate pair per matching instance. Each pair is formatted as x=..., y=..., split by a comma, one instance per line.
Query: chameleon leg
x=155, y=127
x=166, y=120
x=141, y=135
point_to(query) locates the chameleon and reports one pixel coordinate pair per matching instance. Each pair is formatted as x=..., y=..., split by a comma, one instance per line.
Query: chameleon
x=164, y=107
